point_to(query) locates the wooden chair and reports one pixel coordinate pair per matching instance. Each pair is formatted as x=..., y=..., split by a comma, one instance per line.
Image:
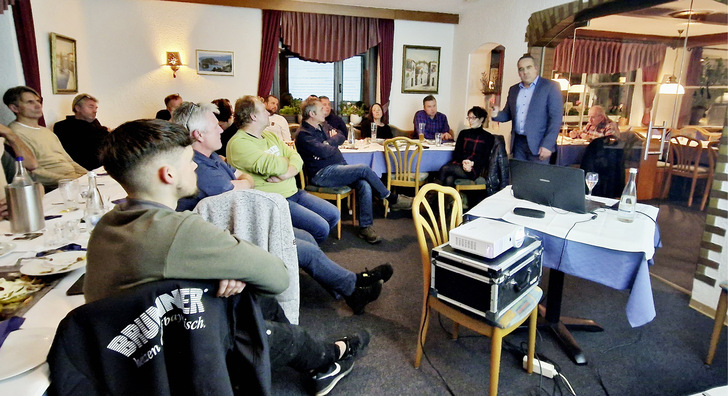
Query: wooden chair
x=684, y=161
x=719, y=319
x=436, y=224
x=330, y=194
x=402, y=155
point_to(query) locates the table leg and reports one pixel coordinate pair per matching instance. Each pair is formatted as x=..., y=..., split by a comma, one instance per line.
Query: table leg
x=560, y=326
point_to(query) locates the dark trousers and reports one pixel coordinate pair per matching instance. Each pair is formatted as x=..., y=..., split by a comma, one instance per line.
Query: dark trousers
x=291, y=345
x=520, y=150
x=450, y=172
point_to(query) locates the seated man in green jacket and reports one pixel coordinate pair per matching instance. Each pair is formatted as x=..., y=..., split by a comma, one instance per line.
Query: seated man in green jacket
x=143, y=240
x=274, y=166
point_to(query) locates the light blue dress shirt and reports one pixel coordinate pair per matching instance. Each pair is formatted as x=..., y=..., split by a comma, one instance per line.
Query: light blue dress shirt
x=522, y=102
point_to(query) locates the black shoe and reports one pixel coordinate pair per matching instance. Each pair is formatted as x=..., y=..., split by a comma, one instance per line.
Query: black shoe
x=363, y=296
x=324, y=382
x=382, y=272
x=369, y=235
x=355, y=343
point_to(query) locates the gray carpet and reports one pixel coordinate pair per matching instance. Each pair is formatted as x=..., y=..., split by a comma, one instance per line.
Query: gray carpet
x=664, y=357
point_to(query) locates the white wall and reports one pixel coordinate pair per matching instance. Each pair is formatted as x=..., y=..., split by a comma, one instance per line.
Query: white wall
x=403, y=106
x=122, y=44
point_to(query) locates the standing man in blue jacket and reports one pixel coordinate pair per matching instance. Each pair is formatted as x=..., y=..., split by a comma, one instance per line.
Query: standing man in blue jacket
x=535, y=107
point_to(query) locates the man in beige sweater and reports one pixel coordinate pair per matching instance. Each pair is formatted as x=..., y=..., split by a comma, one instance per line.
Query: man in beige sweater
x=54, y=163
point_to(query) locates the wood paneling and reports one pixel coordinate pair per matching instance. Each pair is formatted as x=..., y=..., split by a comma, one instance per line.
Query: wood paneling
x=333, y=9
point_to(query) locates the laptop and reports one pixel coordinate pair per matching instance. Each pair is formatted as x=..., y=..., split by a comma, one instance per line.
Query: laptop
x=551, y=185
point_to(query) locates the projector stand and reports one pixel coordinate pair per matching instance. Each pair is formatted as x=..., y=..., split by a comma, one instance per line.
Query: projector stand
x=559, y=325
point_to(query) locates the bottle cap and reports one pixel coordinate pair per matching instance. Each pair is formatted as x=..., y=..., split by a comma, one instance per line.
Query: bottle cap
x=18, y=158
x=632, y=170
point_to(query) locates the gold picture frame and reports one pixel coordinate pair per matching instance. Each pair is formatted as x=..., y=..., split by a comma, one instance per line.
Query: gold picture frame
x=64, y=72
x=420, y=69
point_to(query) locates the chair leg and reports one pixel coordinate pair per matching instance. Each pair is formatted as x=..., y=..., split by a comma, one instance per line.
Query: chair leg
x=692, y=192
x=718, y=326
x=706, y=192
x=496, y=344
x=666, y=188
x=531, y=339
x=338, y=206
x=353, y=207
x=422, y=336
x=455, y=330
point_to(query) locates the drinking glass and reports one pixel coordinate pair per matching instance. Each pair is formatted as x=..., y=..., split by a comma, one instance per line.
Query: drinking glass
x=592, y=178
x=70, y=192
x=373, y=135
x=438, y=139
x=421, y=129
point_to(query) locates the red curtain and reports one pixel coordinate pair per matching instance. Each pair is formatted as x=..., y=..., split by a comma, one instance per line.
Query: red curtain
x=269, y=51
x=386, y=50
x=4, y=5
x=328, y=38
x=25, y=31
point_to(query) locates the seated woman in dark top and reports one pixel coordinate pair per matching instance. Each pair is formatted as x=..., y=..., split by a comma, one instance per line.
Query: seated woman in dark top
x=472, y=150
x=376, y=116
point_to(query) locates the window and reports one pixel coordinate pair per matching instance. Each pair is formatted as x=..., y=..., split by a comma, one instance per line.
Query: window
x=340, y=81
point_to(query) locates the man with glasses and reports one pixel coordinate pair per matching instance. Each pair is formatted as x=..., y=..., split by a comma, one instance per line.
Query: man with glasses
x=54, y=163
x=318, y=145
x=82, y=134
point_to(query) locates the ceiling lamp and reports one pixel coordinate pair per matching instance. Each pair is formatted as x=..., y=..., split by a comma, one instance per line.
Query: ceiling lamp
x=563, y=83
x=577, y=88
x=671, y=87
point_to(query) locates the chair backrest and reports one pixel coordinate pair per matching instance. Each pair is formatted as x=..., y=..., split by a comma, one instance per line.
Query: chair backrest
x=698, y=133
x=435, y=223
x=399, y=132
x=403, y=156
x=685, y=154
x=163, y=338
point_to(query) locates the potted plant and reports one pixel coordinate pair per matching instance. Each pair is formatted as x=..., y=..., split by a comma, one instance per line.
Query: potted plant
x=714, y=73
x=352, y=112
x=292, y=112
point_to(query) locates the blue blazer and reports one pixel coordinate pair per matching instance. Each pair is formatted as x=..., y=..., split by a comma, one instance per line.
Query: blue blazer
x=544, y=118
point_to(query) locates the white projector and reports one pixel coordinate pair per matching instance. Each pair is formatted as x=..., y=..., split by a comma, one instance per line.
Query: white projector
x=487, y=238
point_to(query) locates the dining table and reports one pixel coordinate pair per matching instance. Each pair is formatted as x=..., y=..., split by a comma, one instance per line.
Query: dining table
x=371, y=153
x=48, y=307
x=570, y=151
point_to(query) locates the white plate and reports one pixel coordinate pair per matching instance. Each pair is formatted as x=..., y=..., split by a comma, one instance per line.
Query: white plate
x=6, y=247
x=58, y=263
x=24, y=349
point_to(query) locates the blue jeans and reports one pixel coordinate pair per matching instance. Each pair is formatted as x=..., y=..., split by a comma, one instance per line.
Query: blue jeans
x=313, y=214
x=521, y=151
x=337, y=280
x=360, y=177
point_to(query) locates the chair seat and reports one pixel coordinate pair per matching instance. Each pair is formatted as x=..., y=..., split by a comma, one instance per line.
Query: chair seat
x=328, y=190
x=423, y=176
x=468, y=182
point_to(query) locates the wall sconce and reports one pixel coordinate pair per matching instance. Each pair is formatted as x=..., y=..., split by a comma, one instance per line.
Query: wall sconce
x=174, y=62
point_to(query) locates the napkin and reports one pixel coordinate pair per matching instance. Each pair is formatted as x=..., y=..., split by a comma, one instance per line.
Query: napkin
x=8, y=326
x=66, y=248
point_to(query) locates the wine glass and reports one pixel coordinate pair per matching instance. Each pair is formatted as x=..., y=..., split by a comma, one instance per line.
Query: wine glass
x=592, y=178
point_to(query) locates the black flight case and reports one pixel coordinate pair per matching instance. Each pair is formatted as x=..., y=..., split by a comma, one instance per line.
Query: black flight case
x=486, y=287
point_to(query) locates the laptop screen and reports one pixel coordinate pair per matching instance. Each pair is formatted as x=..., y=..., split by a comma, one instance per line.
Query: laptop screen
x=557, y=186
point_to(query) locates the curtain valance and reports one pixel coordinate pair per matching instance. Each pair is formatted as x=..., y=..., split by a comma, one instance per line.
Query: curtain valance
x=328, y=38
x=606, y=57
x=4, y=4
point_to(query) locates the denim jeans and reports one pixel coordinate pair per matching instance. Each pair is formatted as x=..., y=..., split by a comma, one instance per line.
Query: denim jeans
x=335, y=279
x=521, y=151
x=360, y=177
x=313, y=214
x=291, y=345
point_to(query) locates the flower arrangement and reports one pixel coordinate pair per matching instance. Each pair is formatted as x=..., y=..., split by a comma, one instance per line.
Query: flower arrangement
x=348, y=108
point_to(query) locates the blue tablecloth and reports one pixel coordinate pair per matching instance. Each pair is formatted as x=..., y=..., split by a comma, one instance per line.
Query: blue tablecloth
x=432, y=159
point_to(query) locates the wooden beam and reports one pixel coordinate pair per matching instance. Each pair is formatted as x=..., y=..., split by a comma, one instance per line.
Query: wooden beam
x=333, y=9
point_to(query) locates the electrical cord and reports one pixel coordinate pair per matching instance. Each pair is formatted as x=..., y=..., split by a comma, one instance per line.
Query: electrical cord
x=447, y=386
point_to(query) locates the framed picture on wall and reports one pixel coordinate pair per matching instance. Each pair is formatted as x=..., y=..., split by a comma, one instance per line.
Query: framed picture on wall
x=420, y=69
x=64, y=75
x=216, y=63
